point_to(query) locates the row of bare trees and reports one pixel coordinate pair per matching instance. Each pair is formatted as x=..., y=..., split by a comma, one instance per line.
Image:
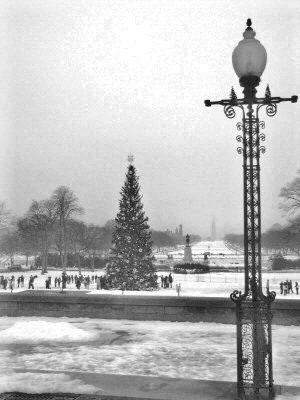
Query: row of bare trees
x=280, y=239
x=51, y=225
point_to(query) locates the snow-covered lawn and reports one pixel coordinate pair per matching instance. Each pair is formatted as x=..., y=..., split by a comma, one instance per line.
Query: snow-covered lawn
x=212, y=284
x=44, y=354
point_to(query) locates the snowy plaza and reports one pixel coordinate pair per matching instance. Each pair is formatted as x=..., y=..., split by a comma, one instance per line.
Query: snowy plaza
x=64, y=353
x=214, y=284
x=58, y=352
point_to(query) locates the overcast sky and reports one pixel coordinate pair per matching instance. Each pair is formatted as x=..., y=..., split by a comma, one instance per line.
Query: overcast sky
x=85, y=83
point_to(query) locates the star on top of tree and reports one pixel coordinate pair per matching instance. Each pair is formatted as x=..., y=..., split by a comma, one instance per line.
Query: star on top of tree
x=130, y=159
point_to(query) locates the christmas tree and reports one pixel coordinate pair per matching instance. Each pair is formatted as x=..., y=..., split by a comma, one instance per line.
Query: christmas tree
x=131, y=262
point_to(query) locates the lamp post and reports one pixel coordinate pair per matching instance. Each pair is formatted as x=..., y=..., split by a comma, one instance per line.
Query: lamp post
x=253, y=308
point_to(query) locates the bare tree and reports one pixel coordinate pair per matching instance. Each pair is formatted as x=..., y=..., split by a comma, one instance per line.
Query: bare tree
x=40, y=223
x=4, y=213
x=276, y=240
x=77, y=238
x=96, y=239
x=67, y=206
x=9, y=245
x=291, y=196
x=29, y=239
x=293, y=233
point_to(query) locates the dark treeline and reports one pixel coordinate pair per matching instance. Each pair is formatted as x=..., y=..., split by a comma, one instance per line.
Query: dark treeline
x=85, y=262
x=164, y=239
x=51, y=232
x=278, y=239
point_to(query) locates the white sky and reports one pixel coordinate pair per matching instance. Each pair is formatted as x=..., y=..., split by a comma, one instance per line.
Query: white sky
x=85, y=83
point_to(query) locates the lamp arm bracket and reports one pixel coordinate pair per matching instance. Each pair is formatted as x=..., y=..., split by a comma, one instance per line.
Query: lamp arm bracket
x=259, y=100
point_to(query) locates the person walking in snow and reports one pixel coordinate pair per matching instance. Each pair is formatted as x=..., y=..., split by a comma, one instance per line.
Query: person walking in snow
x=98, y=282
x=297, y=287
x=170, y=280
x=12, y=283
x=78, y=283
x=63, y=281
x=281, y=287
x=31, y=281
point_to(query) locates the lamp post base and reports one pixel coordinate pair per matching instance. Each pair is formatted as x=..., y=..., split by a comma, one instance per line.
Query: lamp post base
x=254, y=349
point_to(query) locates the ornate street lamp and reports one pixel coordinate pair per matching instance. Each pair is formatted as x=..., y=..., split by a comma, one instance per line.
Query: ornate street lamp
x=253, y=308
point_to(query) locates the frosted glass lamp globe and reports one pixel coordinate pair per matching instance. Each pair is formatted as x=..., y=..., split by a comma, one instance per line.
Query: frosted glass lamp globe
x=249, y=58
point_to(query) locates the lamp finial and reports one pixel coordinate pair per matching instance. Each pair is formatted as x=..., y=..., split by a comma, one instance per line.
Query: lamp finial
x=233, y=97
x=268, y=93
x=249, y=23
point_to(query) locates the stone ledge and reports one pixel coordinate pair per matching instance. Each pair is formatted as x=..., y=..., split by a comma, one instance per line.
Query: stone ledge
x=164, y=308
x=132, y=387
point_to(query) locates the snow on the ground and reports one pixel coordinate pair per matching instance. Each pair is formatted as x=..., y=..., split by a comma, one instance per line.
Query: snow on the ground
x=214, y=284
x=218, y=251
x=41, y=331
x=39, y=382
x=153, y=348
x=213, y=247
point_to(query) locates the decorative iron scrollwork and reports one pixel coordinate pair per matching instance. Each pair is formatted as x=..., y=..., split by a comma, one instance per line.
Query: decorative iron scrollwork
x=254, y=315
x=236, y=295
x=239, y=126
x=262, y=137
x=271, y=109
x=262, y=149
x=229, y=111
x=262, y=124
x=271, y=297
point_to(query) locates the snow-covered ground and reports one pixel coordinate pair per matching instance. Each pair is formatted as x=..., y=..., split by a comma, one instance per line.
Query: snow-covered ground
x=46, y=354
x=217, y=247
x=53, y=354
x=214, y=284
x=220, y=254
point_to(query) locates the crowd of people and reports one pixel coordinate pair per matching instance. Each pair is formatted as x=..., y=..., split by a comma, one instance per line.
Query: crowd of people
x=10, y=283
x=287, y=287
x=166, y=281
x=59, y=282
x=92, y=282
x=79, y=281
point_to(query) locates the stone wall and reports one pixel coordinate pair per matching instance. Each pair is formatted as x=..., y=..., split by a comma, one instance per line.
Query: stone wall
x=79, y=304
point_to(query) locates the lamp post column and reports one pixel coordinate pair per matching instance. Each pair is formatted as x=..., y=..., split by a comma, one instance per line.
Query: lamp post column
x=253, y=308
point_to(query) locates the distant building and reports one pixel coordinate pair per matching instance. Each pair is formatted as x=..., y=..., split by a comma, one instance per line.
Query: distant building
x=178, y=234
